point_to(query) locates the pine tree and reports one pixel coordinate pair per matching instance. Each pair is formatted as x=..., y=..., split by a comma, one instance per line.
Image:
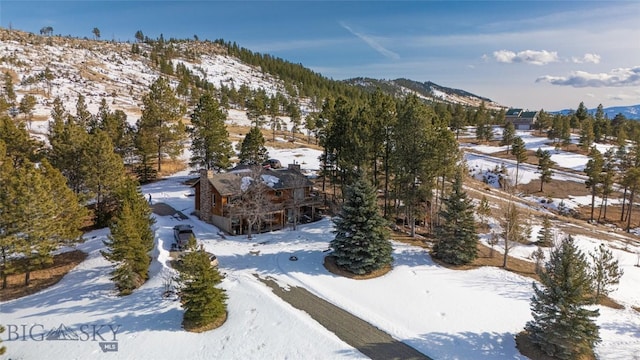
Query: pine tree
x=586, y=135
x=42, y=211
x=457, y=237
x=104, y=172
x=69, y=142
x=508, y=134
x=160, y=129
x=513, y=230
x=582, y=112
x=519, y=150
x=413, y=156
x=561, y=326
x=130, y=240
x=594, y=175
x=116, y=126
x=609, y=172
x=545, y=166
x=252, y=150
x=203, y=302
x=210, y=146
x=484, y=210
x=384, y=114
x=545, y=235
x=26, y=106
x=18, y=145
x=605, y=272
x=361, y=245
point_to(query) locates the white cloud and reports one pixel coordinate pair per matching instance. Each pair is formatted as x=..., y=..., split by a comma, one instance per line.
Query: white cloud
x=587, y=58
x=615, y=78
x=374, y=44
x=535, y=57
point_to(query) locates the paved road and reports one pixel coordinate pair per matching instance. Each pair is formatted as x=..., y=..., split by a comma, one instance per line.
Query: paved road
x=356, y=332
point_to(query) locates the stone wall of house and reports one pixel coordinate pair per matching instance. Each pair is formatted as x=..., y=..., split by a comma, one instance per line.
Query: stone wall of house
x=205, y=195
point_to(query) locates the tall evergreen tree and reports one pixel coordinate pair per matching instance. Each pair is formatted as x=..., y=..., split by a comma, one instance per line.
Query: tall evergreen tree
x=26, y=106
x=382, y=110
x=514, y=230
x=160, y=130
x=594, y=175
x=545, y=235
x=18, y=145
x=69, y=144
x=562, y=327
x=544, y=121
x=203, y=302
x=413, y=156
x=39, y=213
x=609, y=172
x=445, y=158
x=508, y=134
x=361, y=244
x=631, y=180
x=605, y=271
x=210, y=146
x=130, y=240
x=545, y=166
x=457, y=119
x=484, y=210
x=581, y=113
x=104, y=174
x=8, y=92
x=115, y=124
x=519, y=151
x=457, y=237
x=565, y=130
x=252, y=150
x=586, y=134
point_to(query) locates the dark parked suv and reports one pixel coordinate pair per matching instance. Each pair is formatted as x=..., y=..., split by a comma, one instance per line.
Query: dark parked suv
x=182, y=233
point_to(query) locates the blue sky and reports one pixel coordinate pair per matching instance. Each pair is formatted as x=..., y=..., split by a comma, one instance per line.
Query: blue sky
x=531, y=54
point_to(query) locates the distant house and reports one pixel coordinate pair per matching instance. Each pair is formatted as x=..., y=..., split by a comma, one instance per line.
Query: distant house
x=289, y=193
x=522, y=120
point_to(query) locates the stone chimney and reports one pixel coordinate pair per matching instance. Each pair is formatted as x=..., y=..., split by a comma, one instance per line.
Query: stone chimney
x=294, y=167
x=205, y=194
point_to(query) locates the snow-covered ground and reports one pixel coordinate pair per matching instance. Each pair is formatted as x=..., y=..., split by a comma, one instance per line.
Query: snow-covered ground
x=446, y=314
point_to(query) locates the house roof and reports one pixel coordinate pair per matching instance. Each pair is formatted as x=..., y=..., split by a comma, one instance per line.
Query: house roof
x=529, y=114
x=231, y=183
x=513, y=112
x=227, y=183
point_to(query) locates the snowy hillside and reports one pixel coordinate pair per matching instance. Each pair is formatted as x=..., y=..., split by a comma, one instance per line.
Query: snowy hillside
x=108, y=70
x=428, y=91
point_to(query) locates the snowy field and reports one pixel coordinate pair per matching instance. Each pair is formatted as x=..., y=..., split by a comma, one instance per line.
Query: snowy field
x=443, y=313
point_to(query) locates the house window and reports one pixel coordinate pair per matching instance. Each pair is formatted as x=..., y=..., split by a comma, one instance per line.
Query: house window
x=213, y=200
x=278, y=193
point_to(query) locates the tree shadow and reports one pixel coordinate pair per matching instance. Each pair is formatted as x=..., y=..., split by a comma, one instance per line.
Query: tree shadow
x=468, y=345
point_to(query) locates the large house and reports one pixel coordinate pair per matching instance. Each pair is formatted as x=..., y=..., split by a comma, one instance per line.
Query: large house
x=522, y=120
x=288, y=197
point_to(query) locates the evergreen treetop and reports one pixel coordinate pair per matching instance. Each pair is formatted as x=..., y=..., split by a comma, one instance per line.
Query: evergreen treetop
x=361, y=243
x=562, y=327
x=457, y=236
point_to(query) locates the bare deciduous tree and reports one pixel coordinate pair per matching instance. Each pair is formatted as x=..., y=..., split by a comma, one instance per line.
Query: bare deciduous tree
x=253, y=205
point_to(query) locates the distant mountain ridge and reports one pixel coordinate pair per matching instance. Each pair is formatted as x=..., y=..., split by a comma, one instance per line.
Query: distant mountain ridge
x=429, y=91
x=631, y=112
